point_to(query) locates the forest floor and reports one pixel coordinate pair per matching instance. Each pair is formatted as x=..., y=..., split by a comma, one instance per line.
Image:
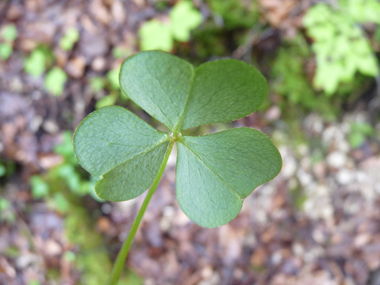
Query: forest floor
x=317, y=222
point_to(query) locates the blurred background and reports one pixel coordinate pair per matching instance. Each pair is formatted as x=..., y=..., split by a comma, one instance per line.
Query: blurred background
x=318, y=222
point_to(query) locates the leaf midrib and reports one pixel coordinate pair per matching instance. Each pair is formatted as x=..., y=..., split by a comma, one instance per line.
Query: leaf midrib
x=213, y=172
x=177, y=128
x=160, y=142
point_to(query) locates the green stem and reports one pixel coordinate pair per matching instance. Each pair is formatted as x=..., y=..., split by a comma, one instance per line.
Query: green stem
x=122, y=256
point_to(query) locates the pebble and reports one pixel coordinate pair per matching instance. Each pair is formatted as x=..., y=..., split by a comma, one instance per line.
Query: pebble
x=76, y=66
x=336, y=159
x=344, y=177
x=332, y=133
x=289, y=168
x=304, y=177
x=343, y=146
x=50, y=126
x=314, y=123
x=99, y=64
x=273, y=113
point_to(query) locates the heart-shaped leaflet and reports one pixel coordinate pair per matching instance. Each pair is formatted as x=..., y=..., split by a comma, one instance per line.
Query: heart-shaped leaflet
x=214, y=172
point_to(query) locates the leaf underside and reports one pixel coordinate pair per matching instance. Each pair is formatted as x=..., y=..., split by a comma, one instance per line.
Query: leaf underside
x=170, y=90
x=214, y=172
x=113, y=141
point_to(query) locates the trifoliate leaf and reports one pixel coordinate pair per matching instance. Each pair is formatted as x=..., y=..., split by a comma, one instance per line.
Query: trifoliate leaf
x=214, y=172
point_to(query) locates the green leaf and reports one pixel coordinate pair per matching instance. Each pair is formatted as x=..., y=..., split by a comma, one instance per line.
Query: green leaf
x=156, y=35
x=171, y=91
x=159, y=83
x=60, y=202
x=9, y=33
x=40, y=188
x=69, y=39
x=4, y=204
x=66, y=148
x=222, y=91
x=184, y=18
x=376, y=36
x=215, y=172
x=55, y=80
x=117, y=146
x=113, y=78
x=35, y=63
x=97, y=84
x=121, y=52
x=3, y=170
x=108, y=100
x=5, y=51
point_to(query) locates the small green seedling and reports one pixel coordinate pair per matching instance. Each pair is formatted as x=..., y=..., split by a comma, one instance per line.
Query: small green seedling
x=113, y=78
x=121, y=52
x=69, y=39
x=7, y=36
x=3, y=170
x=157, y=35
x=6, y=213
x=214, y=173
x=358, y=133
x=97, y=84
x=108, y=100
x=40, y=189
x=39, y=59
x=55, y=80
x=340, y=44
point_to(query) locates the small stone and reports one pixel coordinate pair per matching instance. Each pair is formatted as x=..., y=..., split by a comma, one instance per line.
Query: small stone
x=50, y=126
x=273, y=113
x=336, y=159
x=75, y=67
x=106, y=208
x=207, y=272
x=99, y=11
x=276, y=257
x=99, y=64
x=289, y=168
x=362, y=240
x=319, y=170
x=51, y=247
x=304, y=177
x=35, y=123
x=343, y=146
x=344, y=177
x=118, y=11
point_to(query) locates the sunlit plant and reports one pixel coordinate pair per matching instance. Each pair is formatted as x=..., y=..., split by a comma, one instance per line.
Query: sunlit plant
x=68, y=41
x=214, y=172
x=159, y=35
x=340, y=44
x=7, y=36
